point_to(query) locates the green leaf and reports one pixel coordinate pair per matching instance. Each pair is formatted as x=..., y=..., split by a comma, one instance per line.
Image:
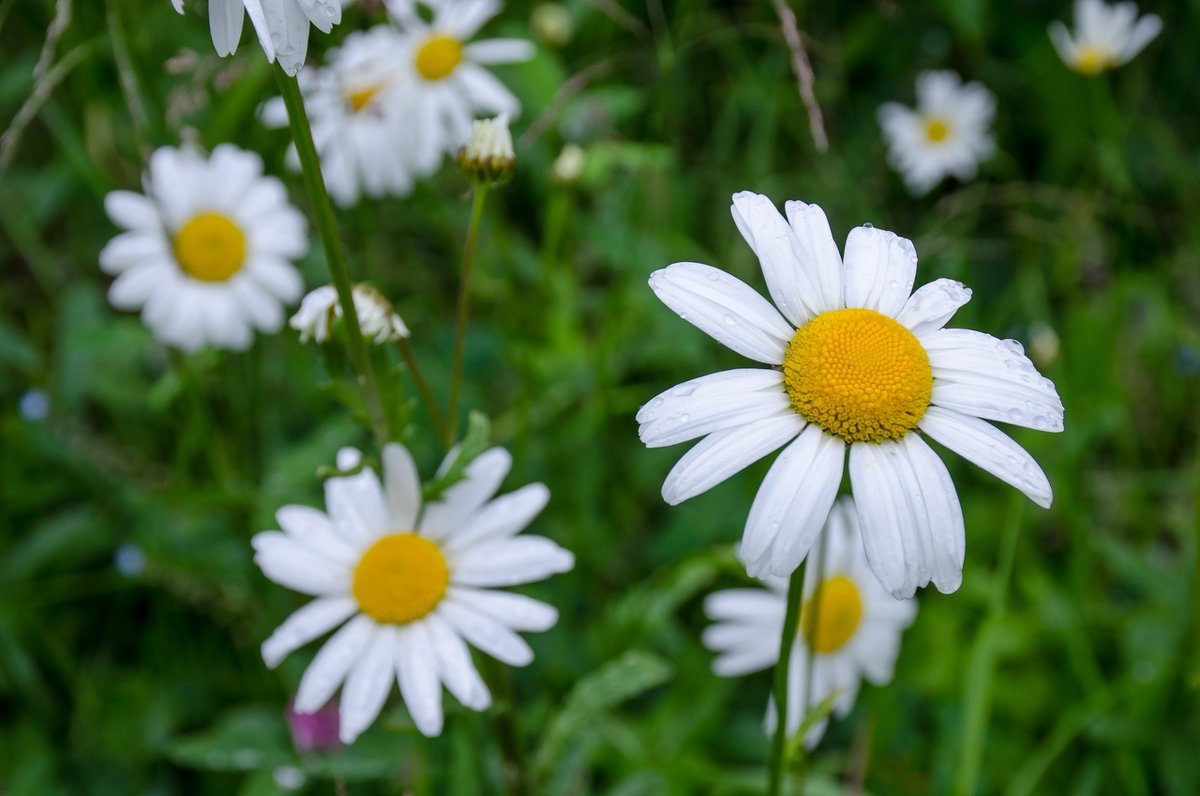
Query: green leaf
x=245, y=739
x=474, y=443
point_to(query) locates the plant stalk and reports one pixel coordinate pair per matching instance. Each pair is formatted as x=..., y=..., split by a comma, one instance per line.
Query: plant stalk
x=464, y=300
x=777, y=763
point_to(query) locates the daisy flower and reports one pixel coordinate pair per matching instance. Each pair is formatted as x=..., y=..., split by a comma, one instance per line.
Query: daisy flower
x=852, y=627
x=451, y=86
x=858, y=366
x=358, y=119
x=947, y=134
x=207, y=255
x=281, y=25
x=413, y=586
x=378, y=321
x=1106, y=36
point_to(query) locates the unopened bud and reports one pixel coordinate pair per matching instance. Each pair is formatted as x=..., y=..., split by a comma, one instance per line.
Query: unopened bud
x=376, y=317
x=568, y=166
x=488, y=157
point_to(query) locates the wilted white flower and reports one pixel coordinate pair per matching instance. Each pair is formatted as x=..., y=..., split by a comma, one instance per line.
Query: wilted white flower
x=376, y=317
x=857, y=364
x=851, y=627
x=412, y=584
x=207, y=255
x=281, y=25
x=552, y=24
x=568, y=166
x=488, y=154
x=1106, y=36
x=947, y=135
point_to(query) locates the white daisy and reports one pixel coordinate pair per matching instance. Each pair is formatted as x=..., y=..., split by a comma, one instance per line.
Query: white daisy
x=857, y=365
x=378, y=321
x=359, y=121
x=1106, y=36
x=207, y=255
x=854, y=631
x=451, y=86
x=414, y=584
x=281, y=25
x=947, y=135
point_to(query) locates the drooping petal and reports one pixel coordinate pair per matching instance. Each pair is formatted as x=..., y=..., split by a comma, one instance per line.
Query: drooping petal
x=880, y=268
x=225, y=23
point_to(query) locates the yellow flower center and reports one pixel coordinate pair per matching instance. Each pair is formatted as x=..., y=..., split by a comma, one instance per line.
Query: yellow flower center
x=439, y=56
x=936, y=129
x=210, y=247
x=361, y=98
x=858, y=374
x=400, y=578
x=1091, y=60
x=839, y=612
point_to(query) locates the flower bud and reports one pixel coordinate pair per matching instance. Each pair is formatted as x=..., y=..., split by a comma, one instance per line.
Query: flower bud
x=488, y=157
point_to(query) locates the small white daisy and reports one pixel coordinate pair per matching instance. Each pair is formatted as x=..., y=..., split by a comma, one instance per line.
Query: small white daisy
x=853, y=633
x=207, y=255
x=947, y=135
x=416, y=584
x=858, y=364
x=1106, y=36
x=359, y=121
x=281, y=25
x=451, y=86
x=378, y=321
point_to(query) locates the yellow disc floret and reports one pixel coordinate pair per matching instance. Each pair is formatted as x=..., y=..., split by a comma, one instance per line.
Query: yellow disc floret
x=858, y=374
x=361, y=98
x=936, y=129
x=439, y=56
x=1091, y=60
x=400, y=578
x=839, y=611
x=210, y=247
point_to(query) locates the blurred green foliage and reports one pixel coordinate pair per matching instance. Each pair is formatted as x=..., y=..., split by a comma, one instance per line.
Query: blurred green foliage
x=1066, y=663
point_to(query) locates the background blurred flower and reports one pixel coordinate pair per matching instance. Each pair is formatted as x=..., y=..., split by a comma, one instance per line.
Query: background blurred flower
x=488, y=155
x=1106, y=36
x=378, y=321
x=281, y=25
x=854, y=631
x=860, y=363
x=317, y=731
x=414, y=584
x=947, y=135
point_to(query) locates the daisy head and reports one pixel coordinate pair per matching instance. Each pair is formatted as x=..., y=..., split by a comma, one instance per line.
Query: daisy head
x=207, y=250
x=858, y=365
x=451, y=85
x=409, y=585
x=358, y=117
x=379, y=322
x=1105, y=37
x=849, y=627
x=947, y=134
x=281, y=25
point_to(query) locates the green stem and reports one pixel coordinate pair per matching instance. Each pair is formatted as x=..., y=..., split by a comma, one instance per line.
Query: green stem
x=791, y=620
x=314, y=184
x=514, y=771
x=431, y=404
x=464, y=294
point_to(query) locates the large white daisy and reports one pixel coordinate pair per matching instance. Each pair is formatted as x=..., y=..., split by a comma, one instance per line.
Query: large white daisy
x=851, y=628
x=360, y=122
x=947, y=134
x=1106, y=36
x=451, y=86
x=207, y=255
x=858, y=364
x=412, y=586
x=281, y=25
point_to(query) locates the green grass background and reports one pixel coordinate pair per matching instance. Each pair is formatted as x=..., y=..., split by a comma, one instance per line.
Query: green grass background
x=1066, y=664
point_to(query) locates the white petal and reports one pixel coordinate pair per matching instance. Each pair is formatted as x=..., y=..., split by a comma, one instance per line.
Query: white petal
x=711, y=403
x=880, y=268
x=367, y=685
x=402, y=487
x=481, y=631
x=979, y=375
x=723, y=453
x=1063, y=42
x=500, y=519
x=454, y=665
x=510, y=562
x=931, y=306
x=749, y=605
x=313, y=529
x=459, y=502
x=515, y=611
x=725, y=308
x=792, y=288
x=821, y=257
x=464, y=18
x=134, y=287
x=1143, y=33
x=315, y=619
x=945, y=532
x=986, y=446
x=357, y=508
x=417, y=674
x=296, y=566
x=130, y=249
x=279, y=277
x=486, y=93
x=792, y=504
x=500, y=51
x=332, y=662
x=225, y=22
x=132, y=211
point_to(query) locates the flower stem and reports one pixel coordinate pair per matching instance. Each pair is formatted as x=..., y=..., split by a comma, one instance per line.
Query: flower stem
x=504, y=727
x=464, y=293
x=431, y=404
x=777, y=763
x=314, y=184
